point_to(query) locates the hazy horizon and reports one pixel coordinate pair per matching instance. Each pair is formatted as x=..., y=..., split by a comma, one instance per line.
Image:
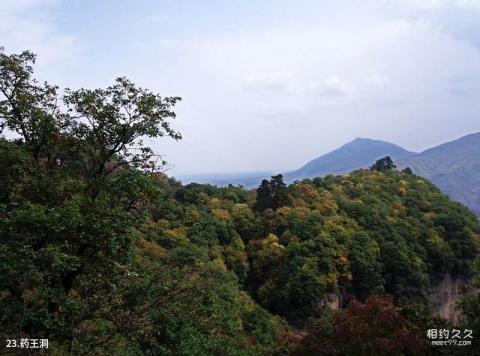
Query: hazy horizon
x=204, y=176
x=244, y=174
x=269, y=86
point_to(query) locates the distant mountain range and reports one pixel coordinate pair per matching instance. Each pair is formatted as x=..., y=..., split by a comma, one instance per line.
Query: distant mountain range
x=453, y=166
x=360, y=153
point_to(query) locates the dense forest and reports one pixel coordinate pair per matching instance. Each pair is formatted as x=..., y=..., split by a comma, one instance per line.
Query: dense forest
x=102, y=253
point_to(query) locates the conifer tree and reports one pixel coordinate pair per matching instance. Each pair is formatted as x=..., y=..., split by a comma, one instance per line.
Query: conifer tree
x=383, y=164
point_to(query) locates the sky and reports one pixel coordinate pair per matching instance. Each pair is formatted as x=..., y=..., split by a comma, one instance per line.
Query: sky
x=269, y=85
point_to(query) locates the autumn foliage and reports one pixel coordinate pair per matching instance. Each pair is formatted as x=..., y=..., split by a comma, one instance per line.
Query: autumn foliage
x=102, y=253
x=375, y=327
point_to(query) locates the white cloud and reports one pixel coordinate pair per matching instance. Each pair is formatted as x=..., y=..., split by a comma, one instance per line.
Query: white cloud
x=377, y=80
x=27, y=24
x=304, y=81
x=277, y=82
x=332, y=86
x=382, y=79
x=438, y=4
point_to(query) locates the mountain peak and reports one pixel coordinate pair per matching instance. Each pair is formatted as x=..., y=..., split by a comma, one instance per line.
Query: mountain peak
x=359, y=153
x=364, y=141
x=361, y=139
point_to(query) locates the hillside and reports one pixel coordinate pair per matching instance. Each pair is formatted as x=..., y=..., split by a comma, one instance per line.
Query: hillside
x=454, y=167
x=102, y=254
x=203, y=258
x=359, y=235
x=359, y=153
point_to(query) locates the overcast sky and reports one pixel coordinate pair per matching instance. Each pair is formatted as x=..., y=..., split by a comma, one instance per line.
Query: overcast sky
x=269, y=85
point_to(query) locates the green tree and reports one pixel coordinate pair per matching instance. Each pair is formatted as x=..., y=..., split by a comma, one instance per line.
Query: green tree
x=244, y=220
x=280, y=196
x=365, y=266
x=383, y=164
x=77, y=190
x=264, y=196
x=272, y=194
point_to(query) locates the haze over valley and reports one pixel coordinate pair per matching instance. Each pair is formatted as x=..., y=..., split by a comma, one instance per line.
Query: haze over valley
x=343, y=217
x=453, y=166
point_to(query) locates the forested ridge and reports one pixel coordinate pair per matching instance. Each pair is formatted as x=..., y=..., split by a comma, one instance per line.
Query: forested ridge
x=102, y=253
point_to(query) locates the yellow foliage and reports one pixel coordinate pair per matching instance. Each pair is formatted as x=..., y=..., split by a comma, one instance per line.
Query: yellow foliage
x=242, y=211
x=273, y=241
x=252, y=194
x=220, y=263
x=192, y=215
x=247, y=303
x=215, y=203
x=179, y=234
x=204, y=198
x=307, y=192
x=221, y=214
x=163, y=224
x=329, y=280
x=283, y=210
x=429, y=215
x=300, y=202
x=326, y=205
x=301, y=212
x=150, y=248
x=340, y=225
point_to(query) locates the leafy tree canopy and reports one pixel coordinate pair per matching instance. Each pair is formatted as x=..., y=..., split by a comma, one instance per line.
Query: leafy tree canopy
x=101, y=252
x=383, y=164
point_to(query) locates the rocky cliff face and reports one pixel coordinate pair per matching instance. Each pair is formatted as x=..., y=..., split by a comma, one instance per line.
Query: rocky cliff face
x=444, y=298
x=332, y=301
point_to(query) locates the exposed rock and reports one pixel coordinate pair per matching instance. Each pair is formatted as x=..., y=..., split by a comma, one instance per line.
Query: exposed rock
x=332, y=301
x=444, y=298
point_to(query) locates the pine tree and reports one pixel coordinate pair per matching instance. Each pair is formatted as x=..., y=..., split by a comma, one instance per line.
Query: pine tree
x=264, y=196
x=279, y=190
x=272, y=194
x=383, y=164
